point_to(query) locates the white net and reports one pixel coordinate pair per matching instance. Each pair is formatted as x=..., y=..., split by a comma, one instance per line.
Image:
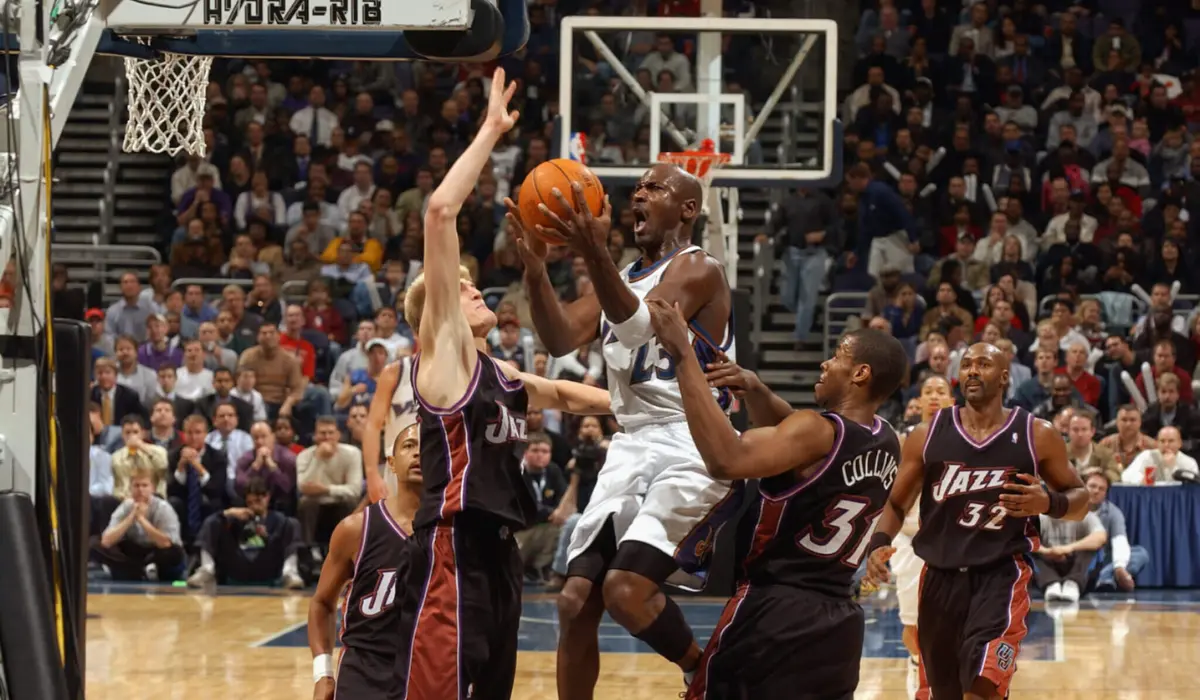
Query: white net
x=167, y=103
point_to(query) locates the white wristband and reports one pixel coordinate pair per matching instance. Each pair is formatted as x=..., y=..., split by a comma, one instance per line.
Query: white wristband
x=322, y=667
x=636, y=330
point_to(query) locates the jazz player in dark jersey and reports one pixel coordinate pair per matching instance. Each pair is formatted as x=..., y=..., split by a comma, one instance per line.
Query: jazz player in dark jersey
x=792, y=629
x=979, y=471
x=370, y=550
x=465, y=604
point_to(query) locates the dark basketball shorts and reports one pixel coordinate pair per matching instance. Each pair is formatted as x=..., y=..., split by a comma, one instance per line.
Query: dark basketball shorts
x=782, y=642
x=970, y=624
x=466, y=604
x=364, y=675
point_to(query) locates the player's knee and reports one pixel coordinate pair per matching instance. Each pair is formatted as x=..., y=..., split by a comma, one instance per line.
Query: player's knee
x=623, y=590
x=573, y=600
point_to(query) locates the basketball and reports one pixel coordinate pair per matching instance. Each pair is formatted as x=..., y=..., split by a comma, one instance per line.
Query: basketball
x=539, y=186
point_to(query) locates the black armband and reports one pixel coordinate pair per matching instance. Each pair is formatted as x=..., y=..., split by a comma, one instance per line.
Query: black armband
x=1058, y=503
x=878, y=539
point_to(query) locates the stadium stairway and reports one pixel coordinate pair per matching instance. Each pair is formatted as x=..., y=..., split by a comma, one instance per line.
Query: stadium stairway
x=102, y=195
x=791, y=373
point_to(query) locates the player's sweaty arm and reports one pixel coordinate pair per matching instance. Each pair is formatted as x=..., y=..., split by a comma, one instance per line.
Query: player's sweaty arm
x=562, y=327
x=901, y=500
x=322, y=609
x=561, y=395
x=381, y=406
x=802, y=439
x=445, y=336
x=765, y=407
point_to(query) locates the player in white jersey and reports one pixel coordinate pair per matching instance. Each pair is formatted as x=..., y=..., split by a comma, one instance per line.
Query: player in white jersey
x=654, y=509
x=906, y=565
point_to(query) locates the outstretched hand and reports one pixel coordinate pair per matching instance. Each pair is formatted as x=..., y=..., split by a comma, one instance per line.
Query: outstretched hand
x=498, y=116
x=1025, y=500
x=669, y=327
x=531, y=248
x=582, y=231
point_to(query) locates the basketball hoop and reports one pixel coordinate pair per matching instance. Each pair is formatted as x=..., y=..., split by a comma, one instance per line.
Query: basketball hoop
x=702, y=163
x=167, y=102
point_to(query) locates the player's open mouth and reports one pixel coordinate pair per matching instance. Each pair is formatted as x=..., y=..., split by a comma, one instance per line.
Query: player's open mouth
x=639, y=221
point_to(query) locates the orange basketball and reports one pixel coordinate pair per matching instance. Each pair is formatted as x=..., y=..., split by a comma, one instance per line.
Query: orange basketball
x=539, y=186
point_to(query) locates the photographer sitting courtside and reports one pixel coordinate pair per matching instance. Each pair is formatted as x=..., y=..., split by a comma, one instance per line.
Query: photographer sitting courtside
x=253, y=544
x=142, y=538
x=547, y=484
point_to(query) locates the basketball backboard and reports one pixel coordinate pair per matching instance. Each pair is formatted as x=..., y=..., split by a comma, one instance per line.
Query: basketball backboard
x=128, y=16
x=765, y=89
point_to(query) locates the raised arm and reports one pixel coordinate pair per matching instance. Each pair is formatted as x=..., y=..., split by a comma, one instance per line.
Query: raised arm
x=322, y=609
x=801, y=440
x=447, y=345
x=561, y=327
x=901, y=499
x=377, y=417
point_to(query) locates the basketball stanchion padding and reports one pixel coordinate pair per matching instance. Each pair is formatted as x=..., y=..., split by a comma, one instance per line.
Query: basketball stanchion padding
x=32, y=668
x=481, y=41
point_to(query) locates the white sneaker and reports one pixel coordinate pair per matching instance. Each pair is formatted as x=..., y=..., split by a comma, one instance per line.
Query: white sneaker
x=201, y=578
x=317, y=557
x=912, y=681
x=151, y=571
x=1070, y=591
x=292, y=581
x=1054, y=593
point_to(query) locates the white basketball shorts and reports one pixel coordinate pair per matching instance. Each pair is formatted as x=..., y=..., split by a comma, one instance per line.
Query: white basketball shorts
x=906, y=570
x=656, y=490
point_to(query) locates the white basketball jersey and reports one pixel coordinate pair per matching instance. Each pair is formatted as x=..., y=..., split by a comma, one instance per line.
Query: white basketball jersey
x=642, y=381
x=404, y=407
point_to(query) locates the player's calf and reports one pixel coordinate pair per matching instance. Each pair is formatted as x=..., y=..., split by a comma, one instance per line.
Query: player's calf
x=580, y=608
x=638, y=605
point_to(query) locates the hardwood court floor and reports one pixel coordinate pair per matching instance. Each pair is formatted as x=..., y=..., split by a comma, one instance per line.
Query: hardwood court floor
x=160, y=643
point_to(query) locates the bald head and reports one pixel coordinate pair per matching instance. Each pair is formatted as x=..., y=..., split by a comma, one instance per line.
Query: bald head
x=684, y=184
x=666, y=203
x=983, y=374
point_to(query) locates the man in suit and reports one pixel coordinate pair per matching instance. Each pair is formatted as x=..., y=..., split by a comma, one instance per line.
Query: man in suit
x=1067, y=48
x=107, y=437
x=166, y=391
x=1028, y=71
x=163, y=431
x=196, y=479
x=547, y=484
x=1169, y=411
x=222, y=385
x=116, y=401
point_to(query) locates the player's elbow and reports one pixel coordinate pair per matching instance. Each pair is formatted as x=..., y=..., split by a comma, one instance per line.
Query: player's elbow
x=440, y=211
x=724, y=468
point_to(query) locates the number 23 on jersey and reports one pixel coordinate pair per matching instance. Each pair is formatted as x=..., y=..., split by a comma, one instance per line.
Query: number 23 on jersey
x=651, y=362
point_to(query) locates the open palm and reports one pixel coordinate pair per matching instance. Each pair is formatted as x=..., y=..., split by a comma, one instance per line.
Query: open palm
x=498, y=115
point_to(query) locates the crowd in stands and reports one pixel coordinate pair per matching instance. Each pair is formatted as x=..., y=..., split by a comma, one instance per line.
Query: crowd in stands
x=1014, y=174
x=1029, y=175
x=240, y=399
